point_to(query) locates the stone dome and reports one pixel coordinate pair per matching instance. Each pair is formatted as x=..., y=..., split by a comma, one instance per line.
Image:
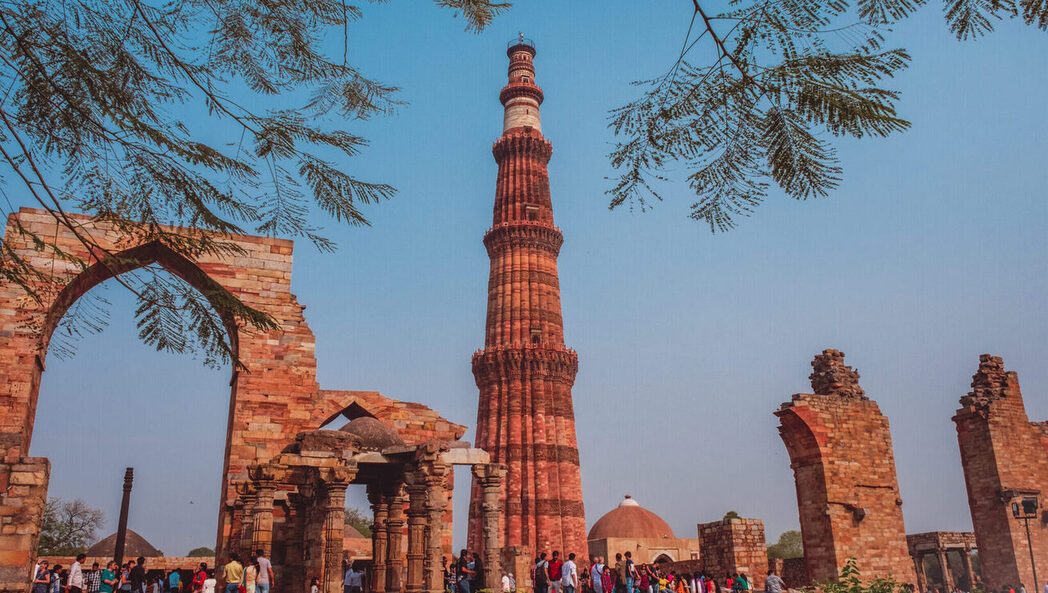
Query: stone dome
x=134, y=546
x=374, y=434
x=351, y=532
x=629, y=520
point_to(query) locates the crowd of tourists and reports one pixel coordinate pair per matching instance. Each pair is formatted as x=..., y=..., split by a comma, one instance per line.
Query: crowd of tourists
x=553, y=574
x=133, y=577
x=628, y=577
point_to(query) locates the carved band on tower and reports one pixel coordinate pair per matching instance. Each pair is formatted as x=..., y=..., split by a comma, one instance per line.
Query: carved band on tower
x=525, y=418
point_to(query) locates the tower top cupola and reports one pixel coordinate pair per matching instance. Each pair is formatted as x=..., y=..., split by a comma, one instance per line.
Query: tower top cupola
x=521, y=97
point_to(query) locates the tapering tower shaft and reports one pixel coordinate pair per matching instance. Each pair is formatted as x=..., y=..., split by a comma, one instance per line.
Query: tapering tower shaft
x=525, y=417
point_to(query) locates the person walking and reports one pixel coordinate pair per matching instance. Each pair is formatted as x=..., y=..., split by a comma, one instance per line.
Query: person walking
x=541, y=574
x=138, y=575
x=41, y=577
x=266, y=580
x=251, y=575
x=597, y=576
x=233, y=574
x=108, y=578
x=556, y=577
x=76, y=575
x=774, y=583
x=569, y=575
x=354, y=580
x=93, y=579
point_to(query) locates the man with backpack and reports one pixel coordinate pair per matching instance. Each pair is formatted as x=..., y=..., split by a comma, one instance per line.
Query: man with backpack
x=542, y=574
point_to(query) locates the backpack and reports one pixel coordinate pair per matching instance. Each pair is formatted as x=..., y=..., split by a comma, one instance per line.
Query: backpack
x=540, y=575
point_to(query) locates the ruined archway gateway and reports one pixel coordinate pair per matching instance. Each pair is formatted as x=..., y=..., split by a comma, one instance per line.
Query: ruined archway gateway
x=276, y=408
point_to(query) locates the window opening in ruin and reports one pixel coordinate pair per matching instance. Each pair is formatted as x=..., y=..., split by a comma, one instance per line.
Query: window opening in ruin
x=525, y=79
x=531, y=212
x=536, y=335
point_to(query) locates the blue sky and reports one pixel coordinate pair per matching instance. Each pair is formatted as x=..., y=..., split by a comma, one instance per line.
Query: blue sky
x=932, y=252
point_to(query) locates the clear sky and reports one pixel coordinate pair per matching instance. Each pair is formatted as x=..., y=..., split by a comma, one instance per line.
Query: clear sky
x=932, y=252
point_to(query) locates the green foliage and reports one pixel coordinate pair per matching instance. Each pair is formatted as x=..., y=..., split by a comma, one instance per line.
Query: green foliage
x=359, y=520
x=731, y=515
x=201, y=552
x=97, y=100
x=850, y=581
x=788, y=546
x=68, y=527
x=784, y=78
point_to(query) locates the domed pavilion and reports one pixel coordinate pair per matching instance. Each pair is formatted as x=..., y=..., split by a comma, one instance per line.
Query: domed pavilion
x=630, y=527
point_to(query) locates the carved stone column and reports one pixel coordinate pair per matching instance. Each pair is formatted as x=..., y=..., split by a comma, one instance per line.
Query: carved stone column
x=265, y=480
x=416, y=535
x=379, y=537
x=334, y=481
x=489, y=478
x=947, y=576
x=247, y=497
x=918, y=564
x=436, y=502
x=395, y=522
x=966, y=558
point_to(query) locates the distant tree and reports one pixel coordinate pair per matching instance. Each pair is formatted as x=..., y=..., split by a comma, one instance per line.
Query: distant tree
x=68, y=527
x=788, y=546
x=779, y=79
x=201, y=552
x=359, y=520
x=732, y=515
x=113, y=108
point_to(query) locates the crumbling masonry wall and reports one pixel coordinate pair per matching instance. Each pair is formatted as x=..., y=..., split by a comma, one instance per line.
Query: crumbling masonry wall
x=844, y=469
x=272, y=399
x=1005, y=458
x=733, y=546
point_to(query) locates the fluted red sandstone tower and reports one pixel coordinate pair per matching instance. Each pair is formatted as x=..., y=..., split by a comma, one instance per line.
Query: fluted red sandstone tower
x=525, y=418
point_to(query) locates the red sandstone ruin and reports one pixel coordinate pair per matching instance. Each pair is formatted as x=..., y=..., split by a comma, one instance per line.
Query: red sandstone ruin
x=841, y=453
x=284, y=480
x=1005, y=460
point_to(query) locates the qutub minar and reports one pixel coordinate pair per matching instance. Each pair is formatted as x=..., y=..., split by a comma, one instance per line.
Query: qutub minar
x=525, y=418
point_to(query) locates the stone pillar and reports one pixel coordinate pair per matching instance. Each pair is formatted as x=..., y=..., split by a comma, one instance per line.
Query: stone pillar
x=489, y=479
x=416, y=537
x=334, y=483
x=918, y=565
x=436, y=502
x=966, y=559
x=249, y=500
x=947, y=576
x=265, y=480
x=379, y=537
x=395, y=537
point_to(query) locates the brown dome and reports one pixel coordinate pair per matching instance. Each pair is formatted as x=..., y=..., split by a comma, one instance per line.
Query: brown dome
x=134, y=546
x=632, y=521
x=374, y=434
x=351, y=532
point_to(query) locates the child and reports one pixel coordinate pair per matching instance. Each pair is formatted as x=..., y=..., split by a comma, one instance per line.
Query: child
x=314, y=585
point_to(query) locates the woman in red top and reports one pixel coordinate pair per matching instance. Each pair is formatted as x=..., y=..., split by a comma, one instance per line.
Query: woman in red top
x=199, y=578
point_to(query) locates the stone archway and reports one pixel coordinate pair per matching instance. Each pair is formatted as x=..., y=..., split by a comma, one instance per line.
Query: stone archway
x=273, y=397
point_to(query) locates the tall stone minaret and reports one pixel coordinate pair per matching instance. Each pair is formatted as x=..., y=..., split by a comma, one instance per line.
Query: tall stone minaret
x=525, y=373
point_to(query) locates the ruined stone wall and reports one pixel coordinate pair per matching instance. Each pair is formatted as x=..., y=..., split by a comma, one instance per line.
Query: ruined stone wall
x=1004, y=459
x=273, y=398
x=23, y=494
x=734, y=546
x=844, y=468
x=792, y=571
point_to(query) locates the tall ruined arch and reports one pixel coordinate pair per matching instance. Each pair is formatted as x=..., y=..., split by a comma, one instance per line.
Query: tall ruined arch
x=274, y=394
